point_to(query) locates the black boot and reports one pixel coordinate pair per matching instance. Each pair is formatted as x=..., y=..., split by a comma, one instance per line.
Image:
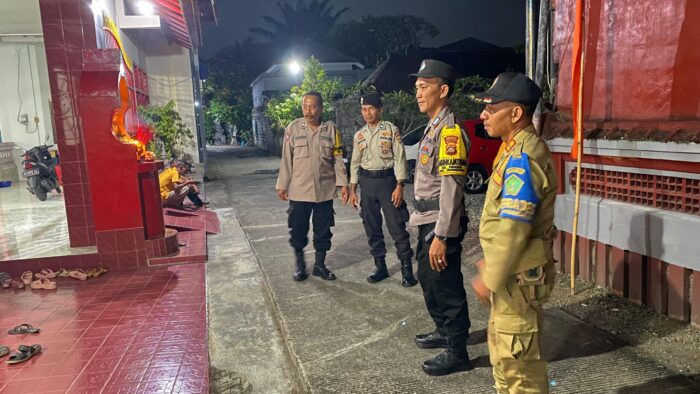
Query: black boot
x=454, y=359
x=407, y=271
x=320, y=267
x=300, y=273
x=431, y=340
x=380, y=272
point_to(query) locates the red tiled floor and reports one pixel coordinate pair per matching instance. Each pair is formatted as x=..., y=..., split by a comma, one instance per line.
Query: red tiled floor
x=137, y=331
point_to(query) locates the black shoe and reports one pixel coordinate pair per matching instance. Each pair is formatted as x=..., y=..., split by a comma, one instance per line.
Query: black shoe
x=300, y=273
x=431, y=340
x=447, y=362
x=320, y=267
x=407, y=272
x=380, y=271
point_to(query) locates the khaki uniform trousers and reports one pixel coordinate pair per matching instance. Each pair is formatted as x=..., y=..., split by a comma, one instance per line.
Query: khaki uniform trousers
x=514, y=336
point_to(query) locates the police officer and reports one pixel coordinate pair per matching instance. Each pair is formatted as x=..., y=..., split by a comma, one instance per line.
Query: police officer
x=310, y=170
x=440, y=215
x=379, y=165
x=517, y=272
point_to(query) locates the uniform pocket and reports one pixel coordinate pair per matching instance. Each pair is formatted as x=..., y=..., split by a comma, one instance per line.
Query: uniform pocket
x=301, y=148
x=518, y=346
x=386, y=151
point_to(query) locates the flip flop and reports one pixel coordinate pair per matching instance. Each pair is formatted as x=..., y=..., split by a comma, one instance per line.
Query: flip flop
x=43, y=283
x=24, y=328
x=17, y=284
x=4, y=350
x=78, y=274
x=62, y=272
x=46, y=273
x=27, y=277
x=99, y=272
x=24, y=354
x=7, y=283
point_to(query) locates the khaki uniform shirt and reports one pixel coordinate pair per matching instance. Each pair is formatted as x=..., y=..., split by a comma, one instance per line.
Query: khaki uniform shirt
x=430, y=184
x=515, y=230
x=378, y=149
x=312, y=162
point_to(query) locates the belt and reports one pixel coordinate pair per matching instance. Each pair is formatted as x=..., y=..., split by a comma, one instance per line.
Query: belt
x=427, y=205
x=376, y=173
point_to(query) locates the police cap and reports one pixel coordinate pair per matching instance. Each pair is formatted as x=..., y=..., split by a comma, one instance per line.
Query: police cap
x=372, y=99
x=430, y=68
x=510, y=86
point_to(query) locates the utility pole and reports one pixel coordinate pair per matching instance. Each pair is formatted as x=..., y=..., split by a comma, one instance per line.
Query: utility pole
x=530, y=37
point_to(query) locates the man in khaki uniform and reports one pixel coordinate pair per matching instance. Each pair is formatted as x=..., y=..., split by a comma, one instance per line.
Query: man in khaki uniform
x=310, y=170
x=379, y=165
x=517, y=272
x=441, y=169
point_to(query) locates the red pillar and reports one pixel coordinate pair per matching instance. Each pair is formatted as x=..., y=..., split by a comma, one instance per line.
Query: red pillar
x=679, y=292
x=602, y=254
x=657, y=288
x=636, y=277
x=617, y=271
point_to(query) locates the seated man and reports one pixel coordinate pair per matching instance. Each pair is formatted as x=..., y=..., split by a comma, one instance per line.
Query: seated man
x=174, y=187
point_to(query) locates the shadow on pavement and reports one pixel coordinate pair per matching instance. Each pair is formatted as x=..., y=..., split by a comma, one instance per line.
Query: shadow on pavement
x=676, y=384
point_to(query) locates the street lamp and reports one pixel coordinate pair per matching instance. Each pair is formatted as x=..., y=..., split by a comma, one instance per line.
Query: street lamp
x=145, y=8
x=294, y=67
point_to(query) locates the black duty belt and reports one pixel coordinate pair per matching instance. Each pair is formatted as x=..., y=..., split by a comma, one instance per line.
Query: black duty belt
x=427, y=205
x=376, y=173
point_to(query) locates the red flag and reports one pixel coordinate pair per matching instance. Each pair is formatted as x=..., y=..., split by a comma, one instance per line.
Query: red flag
x=577, y=79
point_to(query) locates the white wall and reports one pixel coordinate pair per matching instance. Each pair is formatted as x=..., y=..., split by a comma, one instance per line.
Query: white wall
x=10, y=102
x=170, y=78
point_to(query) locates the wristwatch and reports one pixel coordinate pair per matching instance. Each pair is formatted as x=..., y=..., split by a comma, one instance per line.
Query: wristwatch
x=401, y=183
x=441, y=238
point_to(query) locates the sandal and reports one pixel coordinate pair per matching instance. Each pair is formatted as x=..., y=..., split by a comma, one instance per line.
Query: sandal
x=24, y=354
x=17, y=284
x=78, y=274
x=7, y=283
x=43, y=283
x=46, y=273
x=95, y=272
x=4, y=350
x=24, y=328
x=62, y=273
x=27, y=277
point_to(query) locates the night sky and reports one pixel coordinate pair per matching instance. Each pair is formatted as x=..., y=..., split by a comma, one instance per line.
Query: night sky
x=501, y=22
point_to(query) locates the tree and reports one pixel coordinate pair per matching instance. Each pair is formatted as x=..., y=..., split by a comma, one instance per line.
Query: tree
x=284, y=109
x=312, y=20
x=171, y=133
x=373, y=38
x=228, y=98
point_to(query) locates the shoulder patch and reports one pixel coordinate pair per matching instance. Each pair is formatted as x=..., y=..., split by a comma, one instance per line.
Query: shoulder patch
x=519, y=200
x=397, y=136
x=452, y=159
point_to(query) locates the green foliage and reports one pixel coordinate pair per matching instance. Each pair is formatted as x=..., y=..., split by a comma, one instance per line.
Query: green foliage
x=169, y=131
x=401, y=109
x=227, y=95
x=284, y=109
x=312, y=20
x=373, y=38
x=460, y=102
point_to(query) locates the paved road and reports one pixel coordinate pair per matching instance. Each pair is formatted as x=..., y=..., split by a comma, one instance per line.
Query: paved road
x=349, y=336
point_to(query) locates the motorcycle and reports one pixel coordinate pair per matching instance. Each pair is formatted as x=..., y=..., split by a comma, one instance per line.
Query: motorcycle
x=39, y=168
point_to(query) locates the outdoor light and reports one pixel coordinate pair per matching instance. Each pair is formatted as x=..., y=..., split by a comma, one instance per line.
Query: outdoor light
x=97, y=6
x=294, y=67
x=196, y=103
x=145, y=7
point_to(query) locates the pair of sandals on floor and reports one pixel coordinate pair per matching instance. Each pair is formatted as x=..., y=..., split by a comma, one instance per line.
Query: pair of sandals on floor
x=43, y=278
x=25, y=352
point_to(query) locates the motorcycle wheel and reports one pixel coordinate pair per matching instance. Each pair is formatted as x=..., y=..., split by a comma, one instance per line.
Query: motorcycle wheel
x=40, y=193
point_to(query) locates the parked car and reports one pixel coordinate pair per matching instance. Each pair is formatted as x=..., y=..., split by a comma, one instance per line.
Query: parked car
x=483, y=152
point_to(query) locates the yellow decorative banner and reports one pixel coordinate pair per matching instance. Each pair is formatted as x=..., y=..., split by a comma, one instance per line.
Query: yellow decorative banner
x=113, y=29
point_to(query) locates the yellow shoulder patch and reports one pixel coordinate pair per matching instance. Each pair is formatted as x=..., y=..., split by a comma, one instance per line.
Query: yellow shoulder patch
x=452, y=159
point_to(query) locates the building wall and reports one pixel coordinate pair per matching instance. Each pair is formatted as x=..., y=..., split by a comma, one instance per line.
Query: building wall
x=11, y=129
x=641, y=58
x=640, y=202
x=170, y=78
